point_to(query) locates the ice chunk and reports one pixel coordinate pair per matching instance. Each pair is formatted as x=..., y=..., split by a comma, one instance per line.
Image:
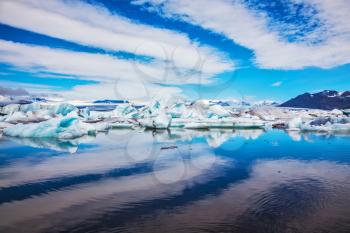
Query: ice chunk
x=179, y=122
x=10, y=109
x=219, y=111
x=16, y=116
x=4, y=98
x=336, y=112
x=196, y=125
x=29, y=117
x=178, y=110
x=335, y=124
x=61, y=127
x=295, y=124
x=242, y=122
x=4, y=125
x=85, y=113
x=49, y=109
x=64, y=109
x=126, y=110
x=160, y=121
x=120, y=111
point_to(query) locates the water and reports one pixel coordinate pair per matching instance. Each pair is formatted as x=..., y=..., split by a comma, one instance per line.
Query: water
x=178, y=181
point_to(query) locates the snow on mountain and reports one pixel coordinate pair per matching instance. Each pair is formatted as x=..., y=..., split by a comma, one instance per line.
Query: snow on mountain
x=327, y=100
x=265, y=103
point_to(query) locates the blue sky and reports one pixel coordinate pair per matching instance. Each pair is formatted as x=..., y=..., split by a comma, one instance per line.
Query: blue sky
x=138, y=49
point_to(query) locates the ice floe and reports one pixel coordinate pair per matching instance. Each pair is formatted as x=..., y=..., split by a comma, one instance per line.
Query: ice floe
x=60, y=127
x=65, y=121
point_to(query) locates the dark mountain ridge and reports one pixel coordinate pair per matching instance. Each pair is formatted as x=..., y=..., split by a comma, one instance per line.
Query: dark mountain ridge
x=327, y=100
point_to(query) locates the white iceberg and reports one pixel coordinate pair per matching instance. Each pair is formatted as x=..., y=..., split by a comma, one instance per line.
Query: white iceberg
x=295, y=124
x=178, y=110
x=218, y=111
x=57, y=109
x=62, y=127
x=196, y=125
x=336, y=112
x=35, y=112
x=160, y=121
x=335, y=124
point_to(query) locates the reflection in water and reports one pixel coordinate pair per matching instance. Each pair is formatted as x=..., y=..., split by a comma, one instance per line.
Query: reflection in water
x=70, y=146
x=211, y=181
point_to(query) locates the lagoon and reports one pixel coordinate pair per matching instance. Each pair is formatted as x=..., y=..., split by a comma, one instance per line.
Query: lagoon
x=181, y=180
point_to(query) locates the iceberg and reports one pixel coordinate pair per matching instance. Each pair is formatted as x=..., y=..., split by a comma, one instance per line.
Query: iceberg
x=29, y=117
x=10, y=109
x=335, y=124
x=336, y=112
x=63, y=120
x=54, y=109
x=4, y=125
x=155, y=116
x=295, y=124
x=218, y=111
x=160, y=121
x=178, y=110
x=34, y=112
x=196, y=125
x=65, y=128
x=126, y=111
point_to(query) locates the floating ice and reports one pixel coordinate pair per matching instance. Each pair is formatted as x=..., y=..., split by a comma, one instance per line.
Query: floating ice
x=218, y=111
x=64, y=127
x=295, y=124
x=336, y=112
x=58, y=109
x=160, y=121
x=330, y=124
x=62, y=120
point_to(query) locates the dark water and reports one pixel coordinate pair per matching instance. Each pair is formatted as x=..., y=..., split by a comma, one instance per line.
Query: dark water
x=178, y=181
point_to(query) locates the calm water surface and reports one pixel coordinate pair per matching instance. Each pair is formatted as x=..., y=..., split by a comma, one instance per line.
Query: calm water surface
x=178, y=181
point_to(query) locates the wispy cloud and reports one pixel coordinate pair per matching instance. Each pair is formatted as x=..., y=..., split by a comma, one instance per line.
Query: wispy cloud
x=25, y=88
x=251, y=28
x=95, y=26
x=176, y=58
x=276, y=84
x=125, y=75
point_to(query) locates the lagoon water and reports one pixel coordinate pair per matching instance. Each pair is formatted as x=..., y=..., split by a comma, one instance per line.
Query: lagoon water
x=177, y=181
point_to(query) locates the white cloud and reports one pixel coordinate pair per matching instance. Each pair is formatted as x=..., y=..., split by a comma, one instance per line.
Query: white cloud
x=276, y=84
x=121, y=90
x=95, y=26
x=177, y=59
x=251, y=29
x=119, y=78
x=30, y=87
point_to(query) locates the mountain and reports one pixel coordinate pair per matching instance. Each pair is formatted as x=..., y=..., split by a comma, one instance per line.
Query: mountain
x=230, y=102
x=327, y=100
x=267, y=103
x=110, y=101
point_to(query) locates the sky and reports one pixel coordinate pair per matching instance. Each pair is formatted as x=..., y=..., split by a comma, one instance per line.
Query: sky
x=141, y=49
